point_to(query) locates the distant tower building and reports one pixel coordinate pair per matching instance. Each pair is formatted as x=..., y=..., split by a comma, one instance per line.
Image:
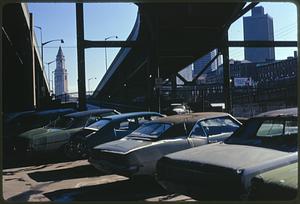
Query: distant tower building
x=61, y=78
x=259, y=26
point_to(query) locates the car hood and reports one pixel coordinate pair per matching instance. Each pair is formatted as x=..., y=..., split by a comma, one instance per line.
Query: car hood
x=231, y=156
x=124, y=146
x=41, y=132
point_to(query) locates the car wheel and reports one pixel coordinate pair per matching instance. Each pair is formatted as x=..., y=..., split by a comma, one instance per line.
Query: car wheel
x=70, y=151
x=76, y=149
x=81, y=149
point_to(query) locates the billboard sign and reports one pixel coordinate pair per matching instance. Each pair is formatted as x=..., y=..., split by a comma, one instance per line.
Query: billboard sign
x=243, y=81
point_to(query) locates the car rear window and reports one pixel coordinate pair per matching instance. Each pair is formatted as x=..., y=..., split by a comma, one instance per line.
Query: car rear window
x=272, y=128
x=99, y=124
x=274, y=133
x=151, y=130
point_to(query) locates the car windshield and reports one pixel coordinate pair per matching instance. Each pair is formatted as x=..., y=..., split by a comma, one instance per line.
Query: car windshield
x=99, y=124
x=66, y=122
x=274, y=133
x=150, y=130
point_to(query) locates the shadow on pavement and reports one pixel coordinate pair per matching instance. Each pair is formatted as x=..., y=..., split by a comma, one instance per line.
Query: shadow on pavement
x=24, y=196
x=125, y=190
x=65, y=174
x=17, y=160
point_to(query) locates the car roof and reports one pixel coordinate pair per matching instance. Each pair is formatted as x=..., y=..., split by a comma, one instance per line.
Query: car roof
x=287, y=112
x=131, y=114
x=60, y=110
x=12, y=116
x=190, y=117
x=89, y=112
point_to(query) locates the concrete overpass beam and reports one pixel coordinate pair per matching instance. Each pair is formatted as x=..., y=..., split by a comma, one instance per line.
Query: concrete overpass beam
x=173, y=85
x=226, y=74
x=153, y=66
x=80, y=57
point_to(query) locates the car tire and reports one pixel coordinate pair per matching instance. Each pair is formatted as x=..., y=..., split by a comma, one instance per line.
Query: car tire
x=70, y=151
x=82, y=149
x=75, y=150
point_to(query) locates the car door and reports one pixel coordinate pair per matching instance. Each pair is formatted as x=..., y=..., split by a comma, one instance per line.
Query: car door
x=218, y=129
x=125, y=127
x=197, y=136
x=212, y=130
x=175, y=139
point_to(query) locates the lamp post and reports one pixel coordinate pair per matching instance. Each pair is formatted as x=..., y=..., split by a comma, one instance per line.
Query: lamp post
x=89, y=82
x=41, y=31
x=52, y=78
x=105, y=39
x=44, y=43
x=48, y=63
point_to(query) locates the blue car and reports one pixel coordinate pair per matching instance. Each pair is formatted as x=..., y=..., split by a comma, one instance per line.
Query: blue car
x=107, y=129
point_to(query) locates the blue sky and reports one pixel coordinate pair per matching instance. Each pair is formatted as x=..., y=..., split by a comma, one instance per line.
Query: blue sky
x=106, y=19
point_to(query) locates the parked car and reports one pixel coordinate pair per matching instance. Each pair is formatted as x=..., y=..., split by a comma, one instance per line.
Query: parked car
x=105, y=130
x=19, y=122
x=137, y=153
x=56, y=135
x=176, y=108
x=277, y=184
x=224, y=170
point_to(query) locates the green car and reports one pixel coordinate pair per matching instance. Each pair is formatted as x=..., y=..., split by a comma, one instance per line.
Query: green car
x=55, y=136
x=277, y=184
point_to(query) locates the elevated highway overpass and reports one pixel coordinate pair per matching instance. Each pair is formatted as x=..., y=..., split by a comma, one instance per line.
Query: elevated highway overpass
x=165, y=39
x=24, y=81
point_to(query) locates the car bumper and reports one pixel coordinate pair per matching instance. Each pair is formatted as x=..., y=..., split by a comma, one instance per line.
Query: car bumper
x=111, y=168
x=199, y=183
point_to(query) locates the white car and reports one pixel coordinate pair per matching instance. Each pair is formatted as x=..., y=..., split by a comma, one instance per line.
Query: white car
x=138, y=153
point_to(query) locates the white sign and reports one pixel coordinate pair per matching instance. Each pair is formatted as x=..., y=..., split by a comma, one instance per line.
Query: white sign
x=246, y=81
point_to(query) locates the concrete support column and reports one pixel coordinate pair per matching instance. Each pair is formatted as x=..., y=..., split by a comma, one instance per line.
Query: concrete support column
x=226, y=74
x=80, y=57
x=151, y=75
x=153, y=98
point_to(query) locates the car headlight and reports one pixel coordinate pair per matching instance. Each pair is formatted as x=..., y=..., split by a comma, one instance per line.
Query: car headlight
x=239, y=171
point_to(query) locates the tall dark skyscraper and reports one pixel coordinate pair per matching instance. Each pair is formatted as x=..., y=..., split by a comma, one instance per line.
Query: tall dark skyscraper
x=259, y=26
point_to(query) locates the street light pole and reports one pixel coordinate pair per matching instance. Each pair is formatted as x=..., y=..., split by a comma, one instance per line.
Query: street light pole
x=52, y=81
x=41, y=31
x=44, y=43
x=48, y=63
x=105, y=39
x=89, y=82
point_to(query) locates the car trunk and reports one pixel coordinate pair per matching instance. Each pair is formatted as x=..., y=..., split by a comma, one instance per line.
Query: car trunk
x=217, y=169
x=200, y=181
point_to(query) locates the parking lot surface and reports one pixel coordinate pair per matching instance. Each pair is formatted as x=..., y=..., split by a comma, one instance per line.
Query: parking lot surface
x=78, y=181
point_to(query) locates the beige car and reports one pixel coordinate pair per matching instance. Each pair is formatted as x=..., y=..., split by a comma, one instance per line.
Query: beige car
x=137, y=153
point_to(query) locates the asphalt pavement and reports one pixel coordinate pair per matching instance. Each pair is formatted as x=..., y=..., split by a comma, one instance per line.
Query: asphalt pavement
x=63, y=180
